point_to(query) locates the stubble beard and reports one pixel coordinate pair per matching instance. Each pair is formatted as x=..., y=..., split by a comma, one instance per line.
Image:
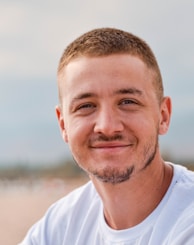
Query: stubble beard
x=115, y=175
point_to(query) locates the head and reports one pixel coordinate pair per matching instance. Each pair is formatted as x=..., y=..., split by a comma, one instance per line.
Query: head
x=112, y=107
x=108, y=41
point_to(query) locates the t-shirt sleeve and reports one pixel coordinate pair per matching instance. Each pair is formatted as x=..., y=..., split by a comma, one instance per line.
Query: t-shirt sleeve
x=47, y=231
x=35, y=235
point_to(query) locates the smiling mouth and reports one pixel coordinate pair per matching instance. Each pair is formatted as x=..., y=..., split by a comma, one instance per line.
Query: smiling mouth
x=110, y=146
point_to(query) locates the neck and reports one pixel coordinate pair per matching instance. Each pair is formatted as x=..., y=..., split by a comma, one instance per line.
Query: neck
x=129, y=203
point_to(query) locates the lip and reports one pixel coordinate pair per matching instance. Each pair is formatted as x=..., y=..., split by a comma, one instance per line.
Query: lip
x=111, y=149
x=110, y=146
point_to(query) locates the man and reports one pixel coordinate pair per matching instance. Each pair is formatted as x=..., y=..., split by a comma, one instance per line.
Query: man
x=111, y=112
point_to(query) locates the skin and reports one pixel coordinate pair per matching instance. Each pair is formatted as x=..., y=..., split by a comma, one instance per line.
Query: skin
x=111, y=118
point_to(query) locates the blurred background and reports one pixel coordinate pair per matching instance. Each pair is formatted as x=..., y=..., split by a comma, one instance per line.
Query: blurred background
x=33, y=35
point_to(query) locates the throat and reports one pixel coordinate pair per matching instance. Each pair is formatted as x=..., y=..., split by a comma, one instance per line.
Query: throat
x=129, y=203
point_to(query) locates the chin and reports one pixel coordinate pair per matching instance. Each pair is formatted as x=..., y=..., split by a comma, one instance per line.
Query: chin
x=112, y=175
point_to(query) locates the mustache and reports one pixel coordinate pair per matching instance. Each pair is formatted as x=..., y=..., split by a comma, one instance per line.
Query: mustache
x=106, y=138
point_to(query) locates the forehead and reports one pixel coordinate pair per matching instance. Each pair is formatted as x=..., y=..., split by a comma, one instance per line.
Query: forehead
x=114, y=59
x=113, y=71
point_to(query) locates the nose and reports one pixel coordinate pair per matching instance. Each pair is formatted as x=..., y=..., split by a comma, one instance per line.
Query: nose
x=108, y=122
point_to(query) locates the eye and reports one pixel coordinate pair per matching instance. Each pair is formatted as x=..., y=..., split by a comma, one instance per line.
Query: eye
x=127, y=102
x=85, y=109
x=86, y=106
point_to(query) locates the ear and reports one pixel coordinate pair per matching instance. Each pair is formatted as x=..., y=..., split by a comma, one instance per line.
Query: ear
x=165, y=111
x=61, y=123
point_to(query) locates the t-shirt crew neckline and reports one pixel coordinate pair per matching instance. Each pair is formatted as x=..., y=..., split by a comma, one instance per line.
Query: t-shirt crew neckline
x=112, y=236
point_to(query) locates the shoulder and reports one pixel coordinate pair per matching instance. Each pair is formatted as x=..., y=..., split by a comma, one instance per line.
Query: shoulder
x=183, y=175
x=85, y=192
x=81, y=198
x=183, y=232
x=182, y=187
x=65, y=217
x=180, y=195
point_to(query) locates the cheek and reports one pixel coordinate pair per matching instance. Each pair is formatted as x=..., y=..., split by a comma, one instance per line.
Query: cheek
x=78, y=137
x=144, y=126
x=137, y=121
x=77, y=131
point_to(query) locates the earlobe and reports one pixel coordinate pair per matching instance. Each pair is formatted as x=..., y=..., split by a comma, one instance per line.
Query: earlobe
x=166, y=109
x=61, y=123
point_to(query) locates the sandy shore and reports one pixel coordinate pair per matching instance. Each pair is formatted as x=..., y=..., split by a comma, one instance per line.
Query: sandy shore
x=22, y=203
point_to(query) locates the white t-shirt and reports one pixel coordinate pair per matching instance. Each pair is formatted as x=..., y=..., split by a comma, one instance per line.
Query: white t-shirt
x=77, y=219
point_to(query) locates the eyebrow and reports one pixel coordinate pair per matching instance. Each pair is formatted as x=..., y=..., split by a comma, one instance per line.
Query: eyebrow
x=86, y=95
x=129, y=91
x=120, y=91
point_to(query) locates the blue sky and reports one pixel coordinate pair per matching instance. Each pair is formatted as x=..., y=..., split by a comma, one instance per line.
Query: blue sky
x=33, y=36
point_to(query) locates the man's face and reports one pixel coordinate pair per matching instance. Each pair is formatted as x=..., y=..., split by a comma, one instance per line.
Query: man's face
x=110, y=115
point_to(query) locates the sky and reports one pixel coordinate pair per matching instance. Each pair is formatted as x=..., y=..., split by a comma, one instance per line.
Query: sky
x=33, y=35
